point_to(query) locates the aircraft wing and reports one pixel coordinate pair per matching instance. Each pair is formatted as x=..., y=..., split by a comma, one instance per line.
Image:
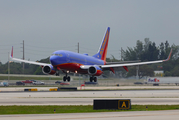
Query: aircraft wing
x=133, y=64
x=109, y=63
x=130, y=64
x=26, y=61
x=109, y=66
x=30, y=62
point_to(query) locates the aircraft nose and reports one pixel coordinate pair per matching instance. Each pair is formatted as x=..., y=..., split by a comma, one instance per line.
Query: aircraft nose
x=53, y=60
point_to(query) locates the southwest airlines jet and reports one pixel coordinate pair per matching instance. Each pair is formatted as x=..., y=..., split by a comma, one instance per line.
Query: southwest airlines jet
x=82, y=63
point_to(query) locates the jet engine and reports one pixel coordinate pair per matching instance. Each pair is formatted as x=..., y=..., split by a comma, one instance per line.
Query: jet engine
x=48, y=69
x=95, y=70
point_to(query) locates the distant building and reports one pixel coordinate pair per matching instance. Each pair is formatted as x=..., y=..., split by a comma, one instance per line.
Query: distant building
x=158, y=73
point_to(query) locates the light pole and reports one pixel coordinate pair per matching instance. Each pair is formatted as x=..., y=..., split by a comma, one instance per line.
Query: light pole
x=8, y=67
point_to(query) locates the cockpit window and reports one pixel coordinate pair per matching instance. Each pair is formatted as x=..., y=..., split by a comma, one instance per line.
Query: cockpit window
x=58, y=55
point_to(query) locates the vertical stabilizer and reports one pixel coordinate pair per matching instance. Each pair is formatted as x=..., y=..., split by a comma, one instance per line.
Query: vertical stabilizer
x=102, y=52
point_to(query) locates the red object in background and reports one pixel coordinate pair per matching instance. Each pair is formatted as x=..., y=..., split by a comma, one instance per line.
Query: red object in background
x=63, y=83
x=27, y=81
x=82, y=85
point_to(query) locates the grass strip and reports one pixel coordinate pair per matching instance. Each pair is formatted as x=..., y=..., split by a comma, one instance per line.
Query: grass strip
x=76, y=109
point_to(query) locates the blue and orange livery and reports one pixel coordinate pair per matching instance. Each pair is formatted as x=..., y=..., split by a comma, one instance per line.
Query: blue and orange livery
x=104, y=46
x=68, y=61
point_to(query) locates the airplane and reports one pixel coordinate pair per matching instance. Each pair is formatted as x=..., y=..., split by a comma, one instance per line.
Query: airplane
x=71, y=62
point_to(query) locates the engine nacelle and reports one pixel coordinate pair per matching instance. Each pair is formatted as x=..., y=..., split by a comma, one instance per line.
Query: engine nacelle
x=48, y=70
x=95, y=70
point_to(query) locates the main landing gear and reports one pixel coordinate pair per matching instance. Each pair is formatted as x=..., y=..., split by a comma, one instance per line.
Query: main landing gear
x=93, y=79
x=57, y=73
x=66, y=78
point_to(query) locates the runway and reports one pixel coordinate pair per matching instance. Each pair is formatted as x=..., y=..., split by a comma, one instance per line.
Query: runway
x=132, y=115
x=138, y=97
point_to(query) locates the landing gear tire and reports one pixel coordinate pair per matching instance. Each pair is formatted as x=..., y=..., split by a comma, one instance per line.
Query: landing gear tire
x=64, y=78
x=68, y=78
x=57, y=74
x=93, y=79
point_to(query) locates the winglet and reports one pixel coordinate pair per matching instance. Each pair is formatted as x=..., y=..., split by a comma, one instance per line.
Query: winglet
x=169, y=56
x=12, y=52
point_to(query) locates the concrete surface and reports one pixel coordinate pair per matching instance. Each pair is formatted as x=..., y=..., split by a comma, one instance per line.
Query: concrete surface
x=140, y=97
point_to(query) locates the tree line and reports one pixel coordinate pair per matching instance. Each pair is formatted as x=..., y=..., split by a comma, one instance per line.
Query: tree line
x=148, y=51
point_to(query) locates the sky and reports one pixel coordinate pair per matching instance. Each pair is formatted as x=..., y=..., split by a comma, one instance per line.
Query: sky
x=50, y=25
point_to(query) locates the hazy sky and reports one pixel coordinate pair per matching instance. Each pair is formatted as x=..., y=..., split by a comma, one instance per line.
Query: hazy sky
x=50, y=25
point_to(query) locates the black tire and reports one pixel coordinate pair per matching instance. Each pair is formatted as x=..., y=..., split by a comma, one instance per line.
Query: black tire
x=57, y=74
x=68, y=78
x=91, y=79
x=95, y=79
x=64, y=78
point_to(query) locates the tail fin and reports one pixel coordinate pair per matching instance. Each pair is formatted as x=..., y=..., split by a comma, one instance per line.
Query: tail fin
x=102, y=52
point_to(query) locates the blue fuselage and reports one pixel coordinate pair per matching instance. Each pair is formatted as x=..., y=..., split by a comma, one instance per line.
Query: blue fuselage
x=63, y=58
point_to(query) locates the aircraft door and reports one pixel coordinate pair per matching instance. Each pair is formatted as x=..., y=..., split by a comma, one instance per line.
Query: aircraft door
x=85, y=62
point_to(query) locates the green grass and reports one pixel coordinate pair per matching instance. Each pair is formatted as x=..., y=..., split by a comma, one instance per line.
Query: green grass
x=75, y=109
